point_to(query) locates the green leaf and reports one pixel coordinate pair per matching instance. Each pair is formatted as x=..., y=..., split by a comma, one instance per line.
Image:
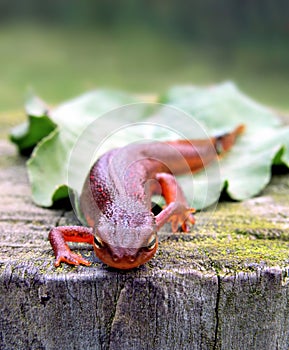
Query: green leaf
x=39, y=125
x=48, y=165
x=221, y=107
x=246, y=169
x=243, y=172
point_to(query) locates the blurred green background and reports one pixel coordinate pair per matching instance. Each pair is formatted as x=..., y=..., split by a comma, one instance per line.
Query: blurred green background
x=62, y=48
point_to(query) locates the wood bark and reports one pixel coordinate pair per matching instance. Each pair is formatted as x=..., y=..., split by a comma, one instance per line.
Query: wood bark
x=187, y=297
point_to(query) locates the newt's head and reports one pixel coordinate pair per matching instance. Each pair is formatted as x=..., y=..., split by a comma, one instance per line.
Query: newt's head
x=127, y=240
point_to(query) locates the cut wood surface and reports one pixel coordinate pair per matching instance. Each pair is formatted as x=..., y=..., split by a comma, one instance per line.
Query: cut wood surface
x=223, y=286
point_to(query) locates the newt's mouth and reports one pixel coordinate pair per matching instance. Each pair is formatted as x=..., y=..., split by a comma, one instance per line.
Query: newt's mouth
x=126, y=262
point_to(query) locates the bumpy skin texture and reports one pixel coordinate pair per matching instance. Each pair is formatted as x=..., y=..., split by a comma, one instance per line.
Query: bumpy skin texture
x=116, y=199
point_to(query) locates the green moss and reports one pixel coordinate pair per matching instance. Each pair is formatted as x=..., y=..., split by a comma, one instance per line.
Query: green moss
x=235, y=252
x=234, y=240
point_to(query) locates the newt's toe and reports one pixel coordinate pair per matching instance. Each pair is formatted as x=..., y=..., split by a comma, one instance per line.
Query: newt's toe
x=71, y=259
x=183, y=221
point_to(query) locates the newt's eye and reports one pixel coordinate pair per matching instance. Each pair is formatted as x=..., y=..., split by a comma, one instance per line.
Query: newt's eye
x=152, y=242
x=98, y=242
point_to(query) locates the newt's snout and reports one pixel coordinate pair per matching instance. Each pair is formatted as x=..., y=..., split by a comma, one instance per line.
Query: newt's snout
x=130, y=258
x=123, y=258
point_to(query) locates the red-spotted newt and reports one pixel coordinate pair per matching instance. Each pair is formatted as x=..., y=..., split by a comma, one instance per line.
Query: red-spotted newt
x=116, y=199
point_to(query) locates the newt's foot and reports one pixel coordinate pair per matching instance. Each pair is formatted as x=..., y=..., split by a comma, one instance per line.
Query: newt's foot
x=183, y=220
x=71, y=259
x=178, y=214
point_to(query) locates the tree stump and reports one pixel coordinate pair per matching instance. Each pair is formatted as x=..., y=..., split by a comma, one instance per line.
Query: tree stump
x=224, y=286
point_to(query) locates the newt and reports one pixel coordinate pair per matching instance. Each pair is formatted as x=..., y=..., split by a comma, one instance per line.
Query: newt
x=116, y=199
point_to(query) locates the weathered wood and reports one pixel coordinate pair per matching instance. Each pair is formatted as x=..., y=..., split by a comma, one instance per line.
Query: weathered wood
x=224, y=286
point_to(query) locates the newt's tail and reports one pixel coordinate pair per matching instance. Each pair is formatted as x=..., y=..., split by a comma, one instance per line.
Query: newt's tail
x=224, y=142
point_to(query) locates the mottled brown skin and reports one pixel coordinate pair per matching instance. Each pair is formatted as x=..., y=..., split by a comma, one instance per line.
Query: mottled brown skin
x=116, y=199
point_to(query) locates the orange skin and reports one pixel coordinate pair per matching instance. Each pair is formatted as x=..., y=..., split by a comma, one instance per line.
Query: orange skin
x=116, y=200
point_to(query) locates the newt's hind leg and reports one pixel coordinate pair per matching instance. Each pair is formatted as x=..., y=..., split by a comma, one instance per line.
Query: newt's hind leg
x=177, y=210
x=58, y=236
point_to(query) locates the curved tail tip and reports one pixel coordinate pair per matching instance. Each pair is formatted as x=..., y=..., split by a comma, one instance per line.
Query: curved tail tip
x=240, y=129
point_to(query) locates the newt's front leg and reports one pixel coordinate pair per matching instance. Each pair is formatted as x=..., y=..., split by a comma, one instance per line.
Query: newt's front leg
x=58, y=236
x=177, y=210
